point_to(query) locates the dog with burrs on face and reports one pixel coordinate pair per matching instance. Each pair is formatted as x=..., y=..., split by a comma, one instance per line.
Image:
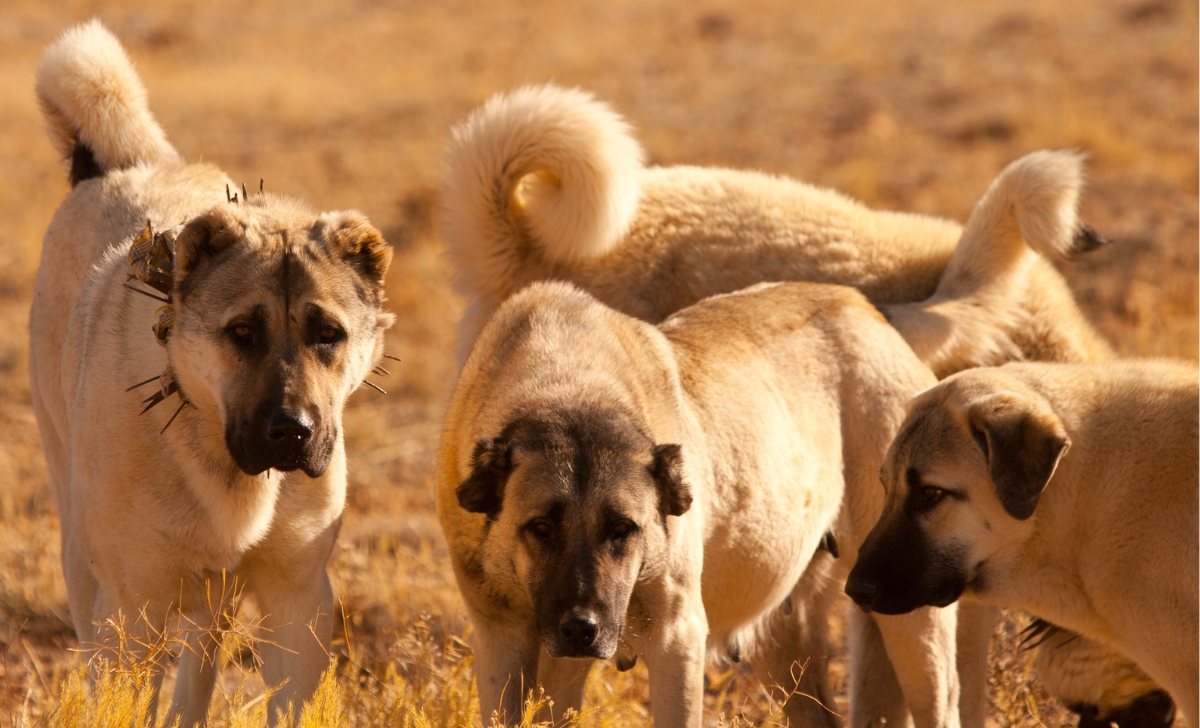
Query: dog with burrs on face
x=1069, y=491
x=272, y=317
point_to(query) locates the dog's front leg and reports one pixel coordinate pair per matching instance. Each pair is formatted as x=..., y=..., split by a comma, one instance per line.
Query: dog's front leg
x=563, y=679
x=876, y=699
x=922, y=647
x=675, y=660
x=297, y=624
x=975, y=624
x=506, y=664
x=196, y=677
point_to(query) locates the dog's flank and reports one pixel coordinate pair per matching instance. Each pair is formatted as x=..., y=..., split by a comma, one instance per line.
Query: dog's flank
x=545, y=183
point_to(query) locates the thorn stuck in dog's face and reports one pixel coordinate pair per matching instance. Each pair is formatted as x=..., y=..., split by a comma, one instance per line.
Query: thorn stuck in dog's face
x=577, y=503
x=276, y=362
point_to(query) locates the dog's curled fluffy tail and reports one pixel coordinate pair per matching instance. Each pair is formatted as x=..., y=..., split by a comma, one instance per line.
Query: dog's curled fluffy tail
x=95, y=105
x=980, y=307
x=542, y=172
x=1030, y=208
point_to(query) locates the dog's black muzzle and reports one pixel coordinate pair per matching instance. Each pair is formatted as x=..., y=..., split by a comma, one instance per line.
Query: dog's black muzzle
x=898, y=570
x=282, y=439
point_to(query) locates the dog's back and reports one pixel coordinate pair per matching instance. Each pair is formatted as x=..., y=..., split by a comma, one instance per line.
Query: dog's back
x=546, y=183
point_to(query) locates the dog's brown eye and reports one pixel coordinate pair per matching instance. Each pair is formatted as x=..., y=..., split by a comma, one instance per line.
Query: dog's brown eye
x=623, y=530
x=541, y=529
x=330, y=334
x=931, y=495
x=242, y=331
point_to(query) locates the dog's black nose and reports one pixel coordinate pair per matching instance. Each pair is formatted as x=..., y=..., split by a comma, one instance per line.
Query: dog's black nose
x=862, y=591
x=286, y=428
x=579, y=630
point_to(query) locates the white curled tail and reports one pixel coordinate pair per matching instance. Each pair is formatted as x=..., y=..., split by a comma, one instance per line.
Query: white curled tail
x=540, y=174
x=978, y=313
x=95, y=105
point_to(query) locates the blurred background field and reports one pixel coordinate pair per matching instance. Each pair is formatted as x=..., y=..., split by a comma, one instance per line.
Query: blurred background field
x=908, y=104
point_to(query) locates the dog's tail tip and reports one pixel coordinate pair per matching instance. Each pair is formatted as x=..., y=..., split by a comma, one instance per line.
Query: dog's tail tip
x=95, y=105
x=1043, y=189
x=546, y=165
x=1087, y=239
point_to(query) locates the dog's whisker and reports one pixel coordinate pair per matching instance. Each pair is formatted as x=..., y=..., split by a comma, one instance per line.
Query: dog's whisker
x=244, y=195
x=147, y=294
x=182, y=404
x=393, y=358
x=374, y=386
x=260, y=186
x=139, y=384
x=380, y=370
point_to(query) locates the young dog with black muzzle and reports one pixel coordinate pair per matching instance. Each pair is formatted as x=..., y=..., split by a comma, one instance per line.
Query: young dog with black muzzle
x=612, y=488
x=1066, y=490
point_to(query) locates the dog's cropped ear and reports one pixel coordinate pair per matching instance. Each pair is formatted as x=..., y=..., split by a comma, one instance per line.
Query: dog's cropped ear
x=205, y=237
x=350, y=236
x=483, y=490
x=674, y=495
x=1024, y=440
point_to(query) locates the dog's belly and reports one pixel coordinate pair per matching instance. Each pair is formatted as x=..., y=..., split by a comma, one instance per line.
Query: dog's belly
x=752, y=563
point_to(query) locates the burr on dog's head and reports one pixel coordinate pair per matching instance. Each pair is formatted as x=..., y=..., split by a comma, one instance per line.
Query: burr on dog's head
x=277, y=317
x=577, y=500
x=963, y=478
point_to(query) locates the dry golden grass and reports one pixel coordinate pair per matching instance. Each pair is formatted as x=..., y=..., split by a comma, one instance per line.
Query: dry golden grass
x=909, y=104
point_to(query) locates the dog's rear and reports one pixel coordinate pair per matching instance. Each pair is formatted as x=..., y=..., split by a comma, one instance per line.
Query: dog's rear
x=95, y=105
x=999, y=299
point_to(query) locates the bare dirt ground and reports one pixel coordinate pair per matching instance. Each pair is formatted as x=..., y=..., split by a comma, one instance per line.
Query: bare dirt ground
x=909, y=104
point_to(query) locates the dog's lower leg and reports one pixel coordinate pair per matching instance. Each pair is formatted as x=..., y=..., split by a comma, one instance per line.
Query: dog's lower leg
x=975, y=623
x=506, y=665
x=563, y=680
x=876, y=699
x=297, y=623
x=793, y=661
x=922, y=646
x=194, y=682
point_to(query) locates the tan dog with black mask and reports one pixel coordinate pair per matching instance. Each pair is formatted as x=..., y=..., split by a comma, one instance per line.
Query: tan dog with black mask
x=1069, y=491
x=274, y=319
x=608, y=487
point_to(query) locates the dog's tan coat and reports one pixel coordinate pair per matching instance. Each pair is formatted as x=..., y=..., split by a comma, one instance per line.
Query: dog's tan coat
x=1109, y=548
x=783, y=396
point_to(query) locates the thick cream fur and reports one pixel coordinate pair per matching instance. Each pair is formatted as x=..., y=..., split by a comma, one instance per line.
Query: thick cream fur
x=651, y=241
x=1110, y=551
x=90, y=93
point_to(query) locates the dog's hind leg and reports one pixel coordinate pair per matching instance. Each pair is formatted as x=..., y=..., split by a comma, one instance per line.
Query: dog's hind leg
x=792, y=658
x=564, y=680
